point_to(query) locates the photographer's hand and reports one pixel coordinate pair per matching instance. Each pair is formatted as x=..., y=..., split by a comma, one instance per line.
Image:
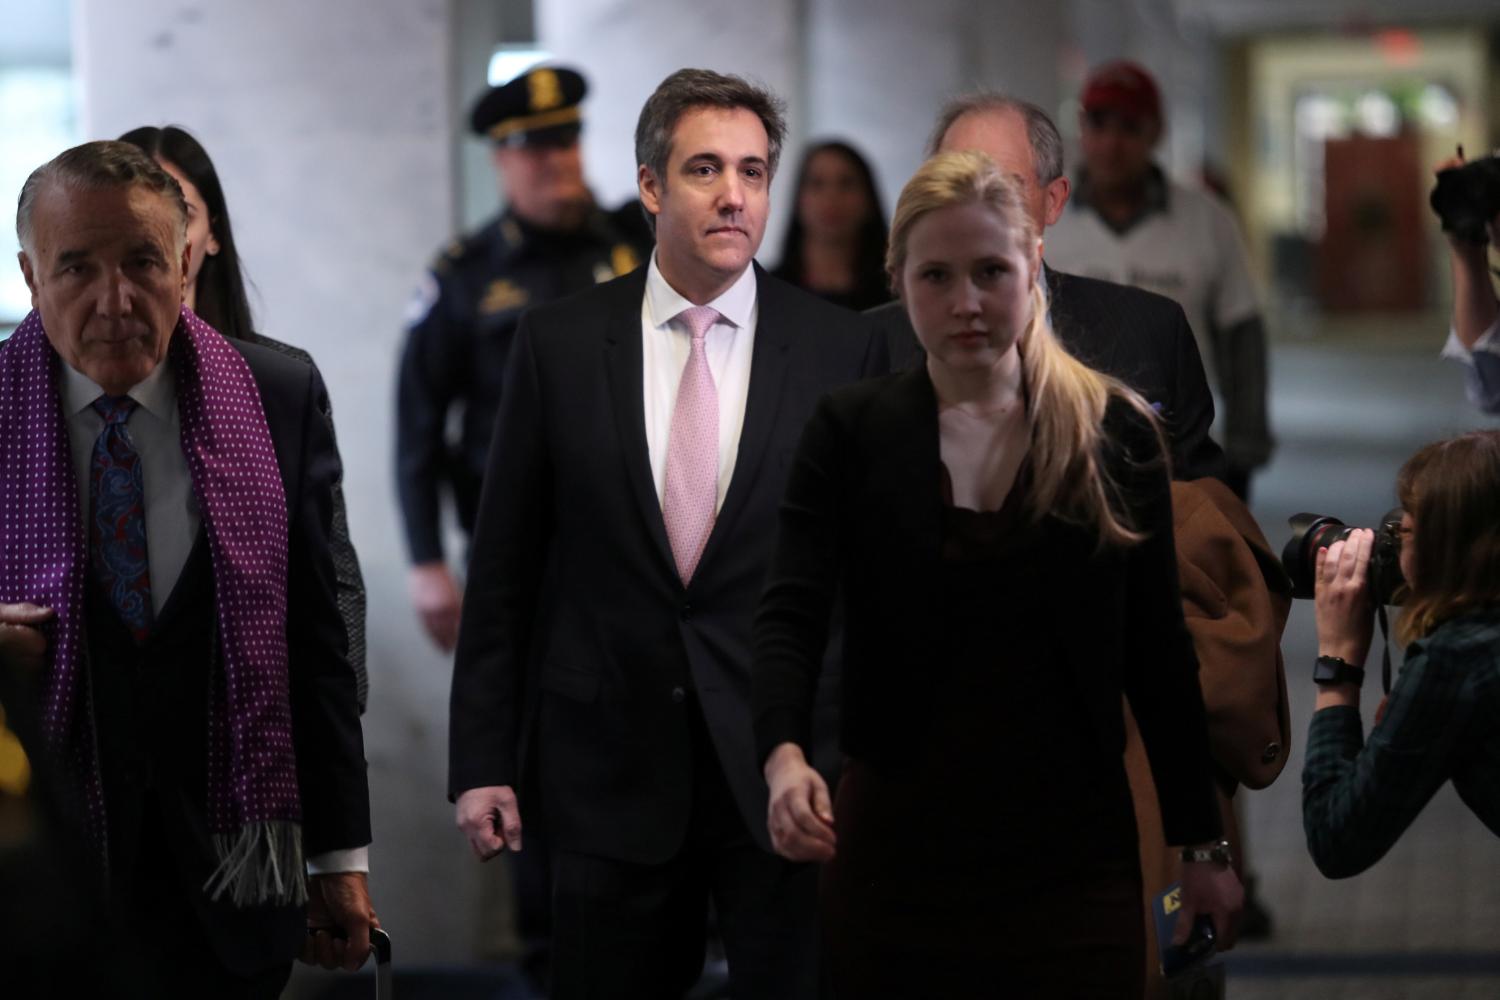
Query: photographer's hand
x=1474, y=304
x=1344, y=610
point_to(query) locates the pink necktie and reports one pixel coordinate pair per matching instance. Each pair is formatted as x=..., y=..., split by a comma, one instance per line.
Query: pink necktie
x=693, y=451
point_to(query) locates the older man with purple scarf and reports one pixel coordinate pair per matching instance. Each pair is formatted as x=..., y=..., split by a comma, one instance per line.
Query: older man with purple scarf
x=165, y=503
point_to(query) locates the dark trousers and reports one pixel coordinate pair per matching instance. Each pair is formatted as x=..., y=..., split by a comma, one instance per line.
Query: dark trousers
x=531, y=882
x=623, y=930
x=161, y=946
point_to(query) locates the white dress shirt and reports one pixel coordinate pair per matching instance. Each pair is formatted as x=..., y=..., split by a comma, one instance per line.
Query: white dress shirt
x=172, y=520
x=665, y=346
x=1481, y=366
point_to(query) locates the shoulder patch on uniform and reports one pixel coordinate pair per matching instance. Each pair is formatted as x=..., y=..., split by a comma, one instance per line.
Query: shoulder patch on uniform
x=423, y=298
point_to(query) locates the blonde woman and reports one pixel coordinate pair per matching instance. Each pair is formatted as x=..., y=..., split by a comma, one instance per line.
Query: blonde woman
x=998, y=526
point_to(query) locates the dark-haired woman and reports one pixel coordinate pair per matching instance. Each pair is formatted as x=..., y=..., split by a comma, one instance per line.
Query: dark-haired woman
x=835, y=244
x=1441, y=722
x=216, y=292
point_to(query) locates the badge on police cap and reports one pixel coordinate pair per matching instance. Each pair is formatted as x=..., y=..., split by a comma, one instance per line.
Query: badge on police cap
x=539, y=107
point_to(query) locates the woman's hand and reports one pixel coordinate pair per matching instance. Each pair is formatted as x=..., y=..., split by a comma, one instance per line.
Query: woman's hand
x=1342, y=602
x=800, y=817
x=1214, y=889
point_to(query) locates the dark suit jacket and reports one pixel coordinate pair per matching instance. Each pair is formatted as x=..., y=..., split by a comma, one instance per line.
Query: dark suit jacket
x=325, y=712
x=350, y=581
x=1141, y=338
x=151, y=700
x=863, y=516
x=570, y=523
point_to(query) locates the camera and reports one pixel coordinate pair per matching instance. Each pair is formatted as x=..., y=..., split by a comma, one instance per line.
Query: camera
x=1466, y=198
x=1311, y=532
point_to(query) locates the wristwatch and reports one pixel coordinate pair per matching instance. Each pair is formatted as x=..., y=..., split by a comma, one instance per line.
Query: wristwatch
x=1330, y=670
x=1218, y=853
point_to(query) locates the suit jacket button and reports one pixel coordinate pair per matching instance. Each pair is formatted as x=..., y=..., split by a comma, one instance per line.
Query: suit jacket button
x=678, y=695
x=1270, y=753
x=687, y=612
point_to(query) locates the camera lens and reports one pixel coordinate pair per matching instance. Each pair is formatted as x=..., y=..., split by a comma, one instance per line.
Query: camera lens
x=1311, y=532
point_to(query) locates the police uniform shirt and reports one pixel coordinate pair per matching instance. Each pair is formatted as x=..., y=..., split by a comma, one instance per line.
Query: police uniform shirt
x=460, y=325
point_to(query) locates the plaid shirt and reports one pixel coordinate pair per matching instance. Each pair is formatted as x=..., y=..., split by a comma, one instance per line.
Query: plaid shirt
x=1442, y=722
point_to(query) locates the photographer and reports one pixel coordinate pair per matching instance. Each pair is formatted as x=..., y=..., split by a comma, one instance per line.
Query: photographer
x=1440, y=719
x=1474, y=339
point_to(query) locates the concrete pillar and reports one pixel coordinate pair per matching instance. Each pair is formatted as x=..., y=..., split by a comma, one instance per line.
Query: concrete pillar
x=329, y=125
x=880, y=70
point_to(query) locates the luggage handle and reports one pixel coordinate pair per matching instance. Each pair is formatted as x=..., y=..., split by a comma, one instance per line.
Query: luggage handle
x=380, y=947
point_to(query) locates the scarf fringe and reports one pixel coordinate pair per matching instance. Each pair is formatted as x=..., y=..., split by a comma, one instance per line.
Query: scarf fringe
x=260, y=864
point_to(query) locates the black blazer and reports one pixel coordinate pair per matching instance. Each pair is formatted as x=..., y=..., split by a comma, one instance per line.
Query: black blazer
x=350, y=581
x=326, y=732
x=325, y=710
x=574, y=615
x=1141, y=338
x=160, y=746
x=863, y=513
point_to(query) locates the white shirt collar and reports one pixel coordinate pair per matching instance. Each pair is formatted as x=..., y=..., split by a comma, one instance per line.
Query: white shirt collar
x=156, y=393
x=664, y=303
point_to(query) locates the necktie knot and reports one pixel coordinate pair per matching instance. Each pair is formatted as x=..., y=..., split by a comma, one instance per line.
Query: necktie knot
x=114, y=409
x=698, y=320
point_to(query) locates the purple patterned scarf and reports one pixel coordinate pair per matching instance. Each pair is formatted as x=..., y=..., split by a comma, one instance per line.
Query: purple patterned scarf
x=254, y=812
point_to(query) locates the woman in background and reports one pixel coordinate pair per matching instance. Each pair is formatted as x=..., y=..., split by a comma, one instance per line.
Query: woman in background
x=216, y=292
x=998, y=523
x=1441, y=722
x=835, y=244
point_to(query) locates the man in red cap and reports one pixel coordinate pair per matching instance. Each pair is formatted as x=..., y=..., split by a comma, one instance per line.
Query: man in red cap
x=1129, y=222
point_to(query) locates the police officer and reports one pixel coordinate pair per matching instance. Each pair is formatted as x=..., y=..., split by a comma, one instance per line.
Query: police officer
x=551, y=240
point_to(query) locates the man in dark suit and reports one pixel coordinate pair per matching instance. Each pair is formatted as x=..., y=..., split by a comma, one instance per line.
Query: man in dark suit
x=1141, y=338
x=623, y=535
x=195, y=677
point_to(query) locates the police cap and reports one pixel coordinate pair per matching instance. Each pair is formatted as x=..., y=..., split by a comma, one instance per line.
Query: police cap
x=539, y=107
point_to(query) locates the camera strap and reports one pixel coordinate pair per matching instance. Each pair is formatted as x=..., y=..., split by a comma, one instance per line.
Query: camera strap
x=1385, y=652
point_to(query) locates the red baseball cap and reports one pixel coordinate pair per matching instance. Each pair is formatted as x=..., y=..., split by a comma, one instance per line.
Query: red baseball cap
x=1124, y=88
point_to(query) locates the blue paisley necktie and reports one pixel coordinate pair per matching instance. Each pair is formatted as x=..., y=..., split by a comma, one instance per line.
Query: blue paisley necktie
x=117, y=525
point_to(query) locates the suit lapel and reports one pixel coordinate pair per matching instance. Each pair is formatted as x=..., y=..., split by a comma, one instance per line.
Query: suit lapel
x=622, y=361
x=768, y=367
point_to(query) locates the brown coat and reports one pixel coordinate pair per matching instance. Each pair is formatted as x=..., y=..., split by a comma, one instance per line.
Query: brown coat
x=1235, y=598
